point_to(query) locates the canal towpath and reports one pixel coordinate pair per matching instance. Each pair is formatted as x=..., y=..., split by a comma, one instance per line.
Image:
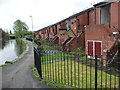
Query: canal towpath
x=19, y=74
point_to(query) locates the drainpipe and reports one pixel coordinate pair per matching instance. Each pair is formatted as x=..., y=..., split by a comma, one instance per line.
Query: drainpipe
x=88, y=17
x=119, y=47
x=95, y=14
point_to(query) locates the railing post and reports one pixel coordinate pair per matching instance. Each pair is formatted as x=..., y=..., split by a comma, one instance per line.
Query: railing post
x=37, y=61
x=34, y=56
x=40, y=65
x=96, y=72
x=119, y=61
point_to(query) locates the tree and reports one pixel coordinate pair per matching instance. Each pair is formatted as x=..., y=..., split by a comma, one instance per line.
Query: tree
x=20, y=28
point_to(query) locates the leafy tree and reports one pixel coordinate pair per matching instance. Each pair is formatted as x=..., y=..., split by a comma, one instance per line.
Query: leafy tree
x=20, y=28
x=28, y=33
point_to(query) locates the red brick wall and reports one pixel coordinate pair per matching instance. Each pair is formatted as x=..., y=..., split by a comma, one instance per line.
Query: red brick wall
x=55, y=29
x=74, y=25
x=119, y=16
x=114, y=14
x=83, y=18
x=58, y=27
x=100, y=33
x=91, y=17
x=63, y=24
x=56, y=41
x=81, y=40
x=62, y=38
x=97, y=10
x=51, y=34
x=72, y=44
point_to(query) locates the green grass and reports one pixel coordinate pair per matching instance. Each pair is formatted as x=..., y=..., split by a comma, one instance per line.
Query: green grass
x=53, y=56
x=3, y=65
x=35, y=73
x=57, y=75
x=46, y=81
x=58, y=56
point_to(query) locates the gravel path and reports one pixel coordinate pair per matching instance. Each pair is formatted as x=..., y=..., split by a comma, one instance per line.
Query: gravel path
x=19, y=75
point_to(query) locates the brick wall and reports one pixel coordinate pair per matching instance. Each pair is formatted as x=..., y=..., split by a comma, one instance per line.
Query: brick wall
x=115, y=15
x=62, y=37
x=97, y=10
x=91, y=17
x=119, y=16
x=81, y=40
x=100, y=33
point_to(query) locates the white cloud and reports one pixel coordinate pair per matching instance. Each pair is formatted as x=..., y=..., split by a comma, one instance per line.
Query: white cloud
x=44, y=12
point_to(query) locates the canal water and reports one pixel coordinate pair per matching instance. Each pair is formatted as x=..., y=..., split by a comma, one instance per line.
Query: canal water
x=10, y=50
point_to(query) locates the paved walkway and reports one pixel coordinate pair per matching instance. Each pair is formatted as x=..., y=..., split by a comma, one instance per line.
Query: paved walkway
x=19, y=75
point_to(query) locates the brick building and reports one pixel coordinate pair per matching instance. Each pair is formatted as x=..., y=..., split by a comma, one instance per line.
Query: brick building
x=92, y=29
x=98, y=35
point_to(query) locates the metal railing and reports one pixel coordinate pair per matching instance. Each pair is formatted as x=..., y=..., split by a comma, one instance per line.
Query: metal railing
x=75, y=70
x=37, y=61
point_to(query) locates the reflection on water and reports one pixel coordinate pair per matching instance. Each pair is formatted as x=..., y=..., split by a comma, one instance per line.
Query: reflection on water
x=3, y=44
x=20, y=47
x=11, y=49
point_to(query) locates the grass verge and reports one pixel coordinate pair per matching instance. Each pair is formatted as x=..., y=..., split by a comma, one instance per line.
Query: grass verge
x=46, y=81
x=77, y=75
x=60, y=55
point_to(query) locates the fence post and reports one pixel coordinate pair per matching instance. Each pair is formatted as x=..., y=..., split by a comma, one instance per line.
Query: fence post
x=119, y=61
x=37, y=61
x=34, y=57
x=40, y=65
x=96, y=72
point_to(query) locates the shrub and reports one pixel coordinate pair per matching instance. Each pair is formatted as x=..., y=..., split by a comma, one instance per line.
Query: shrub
x=8, y=62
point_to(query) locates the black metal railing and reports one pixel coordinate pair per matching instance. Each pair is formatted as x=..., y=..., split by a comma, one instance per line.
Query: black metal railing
x=77, y=71
x=37, y=61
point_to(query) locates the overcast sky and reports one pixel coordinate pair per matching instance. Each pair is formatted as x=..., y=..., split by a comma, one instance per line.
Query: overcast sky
x=44, y=12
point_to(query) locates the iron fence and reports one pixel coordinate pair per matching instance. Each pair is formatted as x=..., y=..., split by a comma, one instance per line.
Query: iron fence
x=77, y=71
x=37, y=61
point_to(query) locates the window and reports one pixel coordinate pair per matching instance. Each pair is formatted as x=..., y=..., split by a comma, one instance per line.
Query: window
x=62, y=34
x=68, y=24
x=104, y=15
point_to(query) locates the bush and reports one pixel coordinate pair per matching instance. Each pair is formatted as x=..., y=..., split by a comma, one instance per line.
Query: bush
x=79, y=50
x=8, y=62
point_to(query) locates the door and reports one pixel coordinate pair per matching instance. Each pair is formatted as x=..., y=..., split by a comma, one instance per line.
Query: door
x=98, y=49
x=94, y=48
x=90, y=48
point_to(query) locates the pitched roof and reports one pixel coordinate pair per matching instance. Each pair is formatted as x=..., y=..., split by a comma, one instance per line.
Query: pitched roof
x=70, y=17
x=111, y=1
x=104, y=2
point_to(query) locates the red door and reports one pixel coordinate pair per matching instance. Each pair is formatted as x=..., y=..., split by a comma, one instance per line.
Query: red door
x=90, y=48
x=98, y=49
x=94, y=48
